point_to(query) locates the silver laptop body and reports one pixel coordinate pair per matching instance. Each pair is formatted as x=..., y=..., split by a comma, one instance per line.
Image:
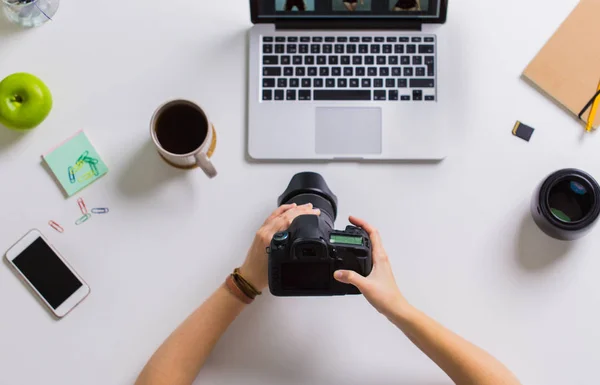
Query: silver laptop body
x=335, y=84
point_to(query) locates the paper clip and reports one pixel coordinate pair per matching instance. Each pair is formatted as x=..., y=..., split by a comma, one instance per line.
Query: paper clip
x=71, y=175
x=86, y=176
x=56, y=227
x=89, y=160
x=94, y=169
x=82, y=157
x=83, y=219
x=78, y=166
x=100, y=210
x=82, y=206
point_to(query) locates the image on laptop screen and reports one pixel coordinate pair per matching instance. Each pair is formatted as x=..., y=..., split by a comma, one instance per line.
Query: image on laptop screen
x=349, y=8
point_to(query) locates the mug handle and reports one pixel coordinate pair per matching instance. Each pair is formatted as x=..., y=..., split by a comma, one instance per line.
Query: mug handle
x=206, y=165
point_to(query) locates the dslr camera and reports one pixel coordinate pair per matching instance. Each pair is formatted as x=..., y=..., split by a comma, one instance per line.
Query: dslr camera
x=303, y=258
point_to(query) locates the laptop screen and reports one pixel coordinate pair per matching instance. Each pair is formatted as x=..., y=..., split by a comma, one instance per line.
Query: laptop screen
x=340, y=9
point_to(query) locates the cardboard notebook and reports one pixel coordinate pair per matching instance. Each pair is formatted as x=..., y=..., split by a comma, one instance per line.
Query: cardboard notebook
x=568, y=67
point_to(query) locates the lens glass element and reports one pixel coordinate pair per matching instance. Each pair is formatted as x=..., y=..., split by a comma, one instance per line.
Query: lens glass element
x=570, y=200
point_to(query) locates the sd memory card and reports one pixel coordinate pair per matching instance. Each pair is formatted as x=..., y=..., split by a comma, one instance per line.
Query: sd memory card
x=523, y=131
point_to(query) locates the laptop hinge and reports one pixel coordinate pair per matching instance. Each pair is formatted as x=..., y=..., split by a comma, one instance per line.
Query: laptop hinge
x=348, y=26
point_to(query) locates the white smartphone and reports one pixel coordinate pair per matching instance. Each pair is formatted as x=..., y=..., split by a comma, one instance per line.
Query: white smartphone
x=48, y=274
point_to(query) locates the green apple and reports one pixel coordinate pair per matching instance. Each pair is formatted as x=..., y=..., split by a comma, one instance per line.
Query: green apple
x=25, y=101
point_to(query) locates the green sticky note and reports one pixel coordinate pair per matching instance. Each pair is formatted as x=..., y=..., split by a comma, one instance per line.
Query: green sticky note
x=75, y=163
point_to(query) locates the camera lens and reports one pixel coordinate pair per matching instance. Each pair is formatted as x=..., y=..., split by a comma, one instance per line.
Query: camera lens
x=570, y=200
x=566, y=205
x=310, y=187
x=318, y=202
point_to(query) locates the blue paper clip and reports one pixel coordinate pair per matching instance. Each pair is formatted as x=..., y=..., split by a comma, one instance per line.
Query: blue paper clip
x=83, y=219
x=100, y=210
x=82, y=156
x=71, y=175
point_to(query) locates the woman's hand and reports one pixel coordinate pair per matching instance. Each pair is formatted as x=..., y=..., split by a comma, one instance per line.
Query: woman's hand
x=380, y=287
x=255, y=268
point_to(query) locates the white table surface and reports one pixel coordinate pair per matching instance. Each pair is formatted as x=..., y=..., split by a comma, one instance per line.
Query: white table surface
x=459, y=234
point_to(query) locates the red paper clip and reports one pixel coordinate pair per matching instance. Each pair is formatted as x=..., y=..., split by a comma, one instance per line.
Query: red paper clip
x=56, y=227
x=82, y=207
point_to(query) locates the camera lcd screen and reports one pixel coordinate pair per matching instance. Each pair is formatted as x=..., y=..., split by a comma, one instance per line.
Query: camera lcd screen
x=47, y=273
x=346, y=239
x=306, y=276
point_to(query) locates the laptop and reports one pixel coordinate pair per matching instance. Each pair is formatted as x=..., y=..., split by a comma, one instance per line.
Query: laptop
x=347, y=80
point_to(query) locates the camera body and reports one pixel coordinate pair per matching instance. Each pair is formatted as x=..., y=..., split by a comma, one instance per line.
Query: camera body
x=303, y=258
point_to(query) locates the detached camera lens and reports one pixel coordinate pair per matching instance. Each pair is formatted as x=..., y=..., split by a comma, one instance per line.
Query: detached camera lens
x=566, y=205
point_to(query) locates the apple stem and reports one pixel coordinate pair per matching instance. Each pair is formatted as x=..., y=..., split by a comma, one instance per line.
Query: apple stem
x=18, y=99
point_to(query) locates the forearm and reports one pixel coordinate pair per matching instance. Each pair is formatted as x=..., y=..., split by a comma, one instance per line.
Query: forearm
x=462, y=361
x=182, y=355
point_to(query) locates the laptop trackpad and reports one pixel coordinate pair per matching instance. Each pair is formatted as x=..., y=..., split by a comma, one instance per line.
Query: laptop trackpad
x=348, y=131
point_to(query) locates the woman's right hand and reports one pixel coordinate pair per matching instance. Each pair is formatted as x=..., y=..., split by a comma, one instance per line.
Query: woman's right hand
x=255, y=268
x=380, y=287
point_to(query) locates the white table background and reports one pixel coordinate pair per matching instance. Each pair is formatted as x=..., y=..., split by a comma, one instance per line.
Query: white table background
x=459, y=234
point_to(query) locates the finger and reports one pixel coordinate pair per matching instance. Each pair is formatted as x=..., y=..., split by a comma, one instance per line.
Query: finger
x=306, y=209
x=284, y=221
x=377, y=244
x=351, y=277
x=378, y=251
x=362, y=224
x=292, y=212
x=280, y=210
x=283, y=208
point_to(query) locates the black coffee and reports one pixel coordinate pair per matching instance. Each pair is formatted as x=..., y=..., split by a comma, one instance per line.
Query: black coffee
x=181, y=129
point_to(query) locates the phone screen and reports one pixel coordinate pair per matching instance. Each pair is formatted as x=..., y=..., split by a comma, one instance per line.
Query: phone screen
x=47, y=273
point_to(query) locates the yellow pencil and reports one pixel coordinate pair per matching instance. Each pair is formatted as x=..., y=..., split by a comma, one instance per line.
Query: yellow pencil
x=593, y=112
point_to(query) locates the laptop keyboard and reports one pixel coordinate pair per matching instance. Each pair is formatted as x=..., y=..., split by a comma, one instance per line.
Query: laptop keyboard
x=327, y=68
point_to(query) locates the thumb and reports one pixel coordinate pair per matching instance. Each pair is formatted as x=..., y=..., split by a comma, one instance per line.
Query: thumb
x=351, y=277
